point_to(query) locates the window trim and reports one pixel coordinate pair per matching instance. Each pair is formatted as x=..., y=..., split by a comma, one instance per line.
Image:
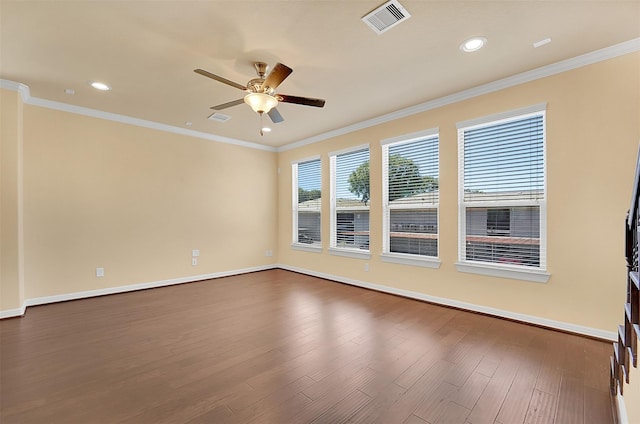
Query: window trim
x=539, y=274
x=295, y=245
x=333, y=224
x=410, y=259
x=396, y=257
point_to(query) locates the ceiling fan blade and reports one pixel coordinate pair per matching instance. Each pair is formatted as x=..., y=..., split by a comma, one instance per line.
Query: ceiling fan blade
x=275, y=116
x=228, y=104
x=219, y=78
x=277, y=75
x=306, y=101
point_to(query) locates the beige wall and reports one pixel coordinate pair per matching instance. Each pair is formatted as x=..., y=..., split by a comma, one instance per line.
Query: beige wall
x=11, y=237
x=136, y=201
x=593, y=130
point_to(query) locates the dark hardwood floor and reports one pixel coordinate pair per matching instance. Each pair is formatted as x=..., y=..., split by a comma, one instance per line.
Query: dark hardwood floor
x=280, y=347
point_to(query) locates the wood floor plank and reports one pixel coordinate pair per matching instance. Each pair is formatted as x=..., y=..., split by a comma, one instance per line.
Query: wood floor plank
x=410, y=400
x=345, y=409
x=283, y=413
x=542, y=408
x=597, y=406
x=487, y=366
x=435, y=403
x=471, y=391
x=570, y=401
x=488, y=405
x=515, y=406
x=415, y=420
x=381, y=402
x=255, y=402
x=454, y=414
x=281, y=347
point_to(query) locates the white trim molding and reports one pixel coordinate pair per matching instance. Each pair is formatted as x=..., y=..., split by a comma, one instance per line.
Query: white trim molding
x=530, y=319
x=415, y=260
x=350, y=253
x=494, y=270
x=12, y=313
x=306, y=247
x=65, y=107
x=502, y=116
x=621, y=408
x=128, y=288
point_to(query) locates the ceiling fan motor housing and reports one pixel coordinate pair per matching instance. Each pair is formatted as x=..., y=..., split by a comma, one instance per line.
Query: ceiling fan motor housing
x=256, y=85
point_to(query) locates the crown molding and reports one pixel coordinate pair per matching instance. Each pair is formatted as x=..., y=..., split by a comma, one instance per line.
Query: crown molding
x=22, y=89
x=606, y=53
x=65, y=107
x=524, y=77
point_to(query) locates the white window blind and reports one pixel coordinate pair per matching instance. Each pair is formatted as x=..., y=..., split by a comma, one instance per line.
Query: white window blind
x=350, y=197
x=307, y=202
x=411, y=195
x=502, y=191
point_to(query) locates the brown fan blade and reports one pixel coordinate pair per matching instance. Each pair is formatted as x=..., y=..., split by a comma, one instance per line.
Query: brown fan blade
x=275, y=116
x=306, y=101
x=228, y=104
x=220, y=79
x=277, y=75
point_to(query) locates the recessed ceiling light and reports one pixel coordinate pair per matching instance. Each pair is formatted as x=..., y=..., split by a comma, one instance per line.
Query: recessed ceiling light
x=69, y=91
x=266, y=129
x=188, y=123
x=473, y=44
x=100, y=86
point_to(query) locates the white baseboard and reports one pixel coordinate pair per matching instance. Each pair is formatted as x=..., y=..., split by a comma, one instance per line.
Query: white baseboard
x=123, y=289
x=530, y=319
x=558, y=325
x=621, y=409
x=11, y=313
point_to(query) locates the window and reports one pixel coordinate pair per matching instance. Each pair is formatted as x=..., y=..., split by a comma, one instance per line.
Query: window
x=410, y=198
x=306, y=201
x=502, y=199
x=350, y=196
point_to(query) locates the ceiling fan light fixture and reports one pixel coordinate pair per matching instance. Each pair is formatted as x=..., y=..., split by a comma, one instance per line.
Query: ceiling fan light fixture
x=260, y=102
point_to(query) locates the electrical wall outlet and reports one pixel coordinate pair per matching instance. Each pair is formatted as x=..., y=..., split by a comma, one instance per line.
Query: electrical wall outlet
x=195, y=253
x=366, y=266
x=99, y=272
x=268, y=253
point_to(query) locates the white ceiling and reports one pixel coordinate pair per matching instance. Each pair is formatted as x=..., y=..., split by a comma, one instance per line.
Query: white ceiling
x=147, y=51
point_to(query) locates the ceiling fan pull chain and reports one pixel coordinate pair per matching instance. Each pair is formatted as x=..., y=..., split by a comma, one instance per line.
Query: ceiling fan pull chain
x=261, y=126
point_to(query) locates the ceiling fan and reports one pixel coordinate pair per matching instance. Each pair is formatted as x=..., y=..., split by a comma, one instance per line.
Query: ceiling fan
x=262, y=97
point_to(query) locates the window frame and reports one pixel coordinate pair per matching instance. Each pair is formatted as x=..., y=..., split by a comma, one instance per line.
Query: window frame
x=295, y=244
x=334, y=249
x=520, y=272
x=396, y=257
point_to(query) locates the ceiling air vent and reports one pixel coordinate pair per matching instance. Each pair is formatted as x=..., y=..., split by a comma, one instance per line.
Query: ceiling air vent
x=219, y=117
x=386, y=16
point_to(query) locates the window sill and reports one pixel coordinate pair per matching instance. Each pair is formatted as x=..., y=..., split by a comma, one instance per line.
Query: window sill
x=534, y=275
x=306, y=247
x=350, y=253
x=415, y=260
